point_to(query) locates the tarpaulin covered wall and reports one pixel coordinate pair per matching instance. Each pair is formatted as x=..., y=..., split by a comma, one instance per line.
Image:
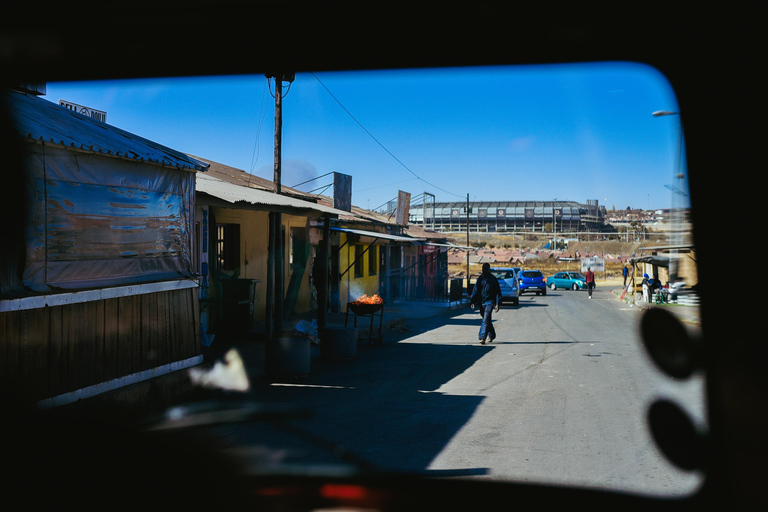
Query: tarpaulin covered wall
x=100, y=221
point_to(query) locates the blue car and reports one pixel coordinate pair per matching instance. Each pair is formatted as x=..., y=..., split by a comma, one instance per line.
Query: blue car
x=568, y=281
x=510, y=289
x=532, y=281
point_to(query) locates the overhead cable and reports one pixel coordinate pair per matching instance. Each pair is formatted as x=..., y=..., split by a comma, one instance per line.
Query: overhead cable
x=377, y=141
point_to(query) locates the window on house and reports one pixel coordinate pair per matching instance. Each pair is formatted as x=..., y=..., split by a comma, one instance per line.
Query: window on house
x=359, y=261
x=373, y=260
x=228, y=247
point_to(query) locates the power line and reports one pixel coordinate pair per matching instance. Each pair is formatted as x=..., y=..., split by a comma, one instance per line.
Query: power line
x=377, y=141
x=384, y=185
x=256, y=145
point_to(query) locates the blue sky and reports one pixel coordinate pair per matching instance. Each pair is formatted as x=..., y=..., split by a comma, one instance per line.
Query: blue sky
x=571, y=132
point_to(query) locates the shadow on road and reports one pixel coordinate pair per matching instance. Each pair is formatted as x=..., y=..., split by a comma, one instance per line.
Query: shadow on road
x=381, y=407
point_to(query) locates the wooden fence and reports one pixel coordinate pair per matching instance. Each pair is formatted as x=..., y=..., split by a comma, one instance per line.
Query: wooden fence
x=50, y=351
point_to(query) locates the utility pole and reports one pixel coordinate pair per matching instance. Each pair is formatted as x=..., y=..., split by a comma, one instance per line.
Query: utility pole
x=277, y=291
x=554, y=224
x=467, y=245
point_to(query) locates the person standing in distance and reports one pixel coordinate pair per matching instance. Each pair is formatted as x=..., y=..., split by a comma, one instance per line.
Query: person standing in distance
x=487, y=296
x=590, y=276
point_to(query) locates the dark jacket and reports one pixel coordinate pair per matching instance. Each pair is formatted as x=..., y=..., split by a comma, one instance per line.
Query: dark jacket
x=486, y=291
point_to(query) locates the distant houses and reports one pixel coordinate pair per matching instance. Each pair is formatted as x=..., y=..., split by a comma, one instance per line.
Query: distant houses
x=519, y=257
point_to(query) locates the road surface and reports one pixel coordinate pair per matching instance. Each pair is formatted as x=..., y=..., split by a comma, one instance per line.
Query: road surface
x=559, y=397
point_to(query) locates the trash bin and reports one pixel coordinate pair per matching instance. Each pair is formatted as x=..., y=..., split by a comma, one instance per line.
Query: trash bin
x=287, y=357
x=456, y=290
x=338, y=343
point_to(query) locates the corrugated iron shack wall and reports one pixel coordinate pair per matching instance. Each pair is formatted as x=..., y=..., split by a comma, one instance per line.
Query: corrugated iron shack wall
x=50, y=351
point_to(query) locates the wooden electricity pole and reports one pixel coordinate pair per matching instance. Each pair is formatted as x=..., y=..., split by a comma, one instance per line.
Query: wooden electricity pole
x=276, y=295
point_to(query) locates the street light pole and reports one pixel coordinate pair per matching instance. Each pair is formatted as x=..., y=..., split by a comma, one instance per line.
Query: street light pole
x=554, y=222
x=467, y=245
x=676, y=225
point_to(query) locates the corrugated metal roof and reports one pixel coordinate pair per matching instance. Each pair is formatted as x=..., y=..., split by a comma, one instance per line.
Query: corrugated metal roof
x=239, y=177
x=234, y=193
x=39, y=120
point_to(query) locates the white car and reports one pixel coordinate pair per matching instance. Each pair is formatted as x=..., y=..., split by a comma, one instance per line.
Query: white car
x=510, y=288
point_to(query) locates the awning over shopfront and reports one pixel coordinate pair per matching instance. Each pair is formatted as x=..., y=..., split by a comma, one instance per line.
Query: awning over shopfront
x=660, y=260
x=375, y=235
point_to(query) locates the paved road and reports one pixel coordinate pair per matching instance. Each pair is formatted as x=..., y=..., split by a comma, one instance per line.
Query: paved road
x=559, y=397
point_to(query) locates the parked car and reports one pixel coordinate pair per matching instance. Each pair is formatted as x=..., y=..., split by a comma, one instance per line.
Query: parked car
x=532, y=281
x=567, y=280
x=510, y=288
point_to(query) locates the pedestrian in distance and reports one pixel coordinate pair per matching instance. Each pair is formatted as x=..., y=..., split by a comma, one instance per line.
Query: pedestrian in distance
x=590, y=277
x=646, y=288
x=487, y=297
x=625, y=273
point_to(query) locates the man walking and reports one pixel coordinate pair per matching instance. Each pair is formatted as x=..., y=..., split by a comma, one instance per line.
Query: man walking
x=590, y=276
x=487, y=296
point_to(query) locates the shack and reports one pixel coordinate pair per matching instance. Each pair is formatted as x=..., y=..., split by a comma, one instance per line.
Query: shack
x=233, y=233
x=97, y=285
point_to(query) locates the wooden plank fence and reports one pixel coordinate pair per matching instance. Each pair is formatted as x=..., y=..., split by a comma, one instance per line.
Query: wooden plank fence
x=50, y=351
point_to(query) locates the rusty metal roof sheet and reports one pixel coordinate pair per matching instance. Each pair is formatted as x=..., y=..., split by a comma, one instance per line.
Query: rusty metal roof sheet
x=41, y=121
x=240, y=177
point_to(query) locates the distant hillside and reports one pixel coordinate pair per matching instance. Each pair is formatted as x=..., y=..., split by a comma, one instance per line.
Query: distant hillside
x=532, y=242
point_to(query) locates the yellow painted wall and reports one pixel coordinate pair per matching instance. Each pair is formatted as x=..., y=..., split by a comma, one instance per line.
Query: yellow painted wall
x=687, y=269
x=352, y=287
x=254, y=251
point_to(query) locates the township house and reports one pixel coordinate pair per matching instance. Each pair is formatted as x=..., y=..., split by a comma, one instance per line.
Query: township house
x=97, y=283
x=233, y=224
x=376, y=254
x=102, y=284
x=367, y=253
x=129, y=254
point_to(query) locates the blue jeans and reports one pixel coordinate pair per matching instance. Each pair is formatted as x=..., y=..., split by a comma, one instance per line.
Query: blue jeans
x=486, y=328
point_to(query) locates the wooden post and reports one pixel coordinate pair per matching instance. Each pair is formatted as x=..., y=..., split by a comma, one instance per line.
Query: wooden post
x=269, y=316
x=277, y=290
x=324, y=255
